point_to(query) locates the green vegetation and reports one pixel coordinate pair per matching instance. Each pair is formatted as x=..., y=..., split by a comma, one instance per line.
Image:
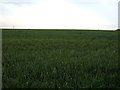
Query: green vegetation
x=60, y=59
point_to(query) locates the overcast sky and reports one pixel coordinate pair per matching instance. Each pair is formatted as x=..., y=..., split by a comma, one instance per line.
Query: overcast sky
x=59, y=14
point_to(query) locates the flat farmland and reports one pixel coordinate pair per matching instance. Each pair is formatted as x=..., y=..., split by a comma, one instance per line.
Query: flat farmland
x=60, y=59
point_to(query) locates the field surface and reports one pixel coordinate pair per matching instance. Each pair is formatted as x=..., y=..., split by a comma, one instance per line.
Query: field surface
x=60, y=59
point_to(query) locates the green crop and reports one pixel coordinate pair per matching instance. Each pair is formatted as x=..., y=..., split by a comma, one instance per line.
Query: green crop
x=60, y=59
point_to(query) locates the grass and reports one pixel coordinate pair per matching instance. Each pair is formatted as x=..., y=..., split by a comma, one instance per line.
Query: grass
x=60, y=59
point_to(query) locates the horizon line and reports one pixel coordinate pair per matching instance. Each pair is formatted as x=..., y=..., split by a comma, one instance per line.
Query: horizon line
x=54, y=29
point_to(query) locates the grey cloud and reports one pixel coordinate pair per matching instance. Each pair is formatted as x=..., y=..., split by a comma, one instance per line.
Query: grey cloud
x=19, y=2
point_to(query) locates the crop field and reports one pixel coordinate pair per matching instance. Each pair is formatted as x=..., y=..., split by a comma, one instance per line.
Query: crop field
x=60, y=59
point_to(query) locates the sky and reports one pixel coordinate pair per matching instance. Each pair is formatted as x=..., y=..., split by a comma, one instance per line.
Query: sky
x=59, y=14
x=119, y=15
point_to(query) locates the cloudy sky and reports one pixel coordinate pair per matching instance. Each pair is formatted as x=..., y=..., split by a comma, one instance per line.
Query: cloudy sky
x=59, y=14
